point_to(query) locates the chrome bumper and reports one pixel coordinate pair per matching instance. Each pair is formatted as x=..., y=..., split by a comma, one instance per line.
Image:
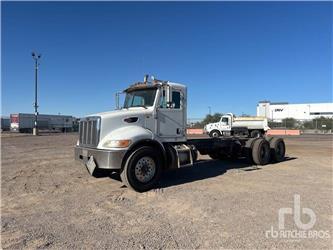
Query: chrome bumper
x=105, y=159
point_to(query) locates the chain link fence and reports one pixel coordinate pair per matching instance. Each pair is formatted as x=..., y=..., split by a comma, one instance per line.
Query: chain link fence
x=321, y=123
x=317, y=125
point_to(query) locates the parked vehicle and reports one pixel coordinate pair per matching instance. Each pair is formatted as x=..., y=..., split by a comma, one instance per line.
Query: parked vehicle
x=148, y=135
x=238, y=126
x=24, y=123
x=5, y=123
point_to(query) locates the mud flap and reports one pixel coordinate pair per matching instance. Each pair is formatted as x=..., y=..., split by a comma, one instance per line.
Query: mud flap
x=91, y=165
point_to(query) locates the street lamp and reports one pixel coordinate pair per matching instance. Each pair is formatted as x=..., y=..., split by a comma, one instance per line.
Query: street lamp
x=36, y=57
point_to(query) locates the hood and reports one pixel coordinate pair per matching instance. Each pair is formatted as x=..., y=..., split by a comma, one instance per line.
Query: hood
x=123, y=112
x=112, y=120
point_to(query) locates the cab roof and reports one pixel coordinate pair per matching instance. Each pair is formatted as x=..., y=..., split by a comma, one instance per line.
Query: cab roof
x=153, y=85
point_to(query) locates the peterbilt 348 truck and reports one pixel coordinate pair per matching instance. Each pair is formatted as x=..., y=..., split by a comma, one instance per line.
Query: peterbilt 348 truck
x=148, y=135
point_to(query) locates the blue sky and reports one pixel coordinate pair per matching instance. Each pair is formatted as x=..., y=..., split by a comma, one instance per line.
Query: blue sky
x=230, y=54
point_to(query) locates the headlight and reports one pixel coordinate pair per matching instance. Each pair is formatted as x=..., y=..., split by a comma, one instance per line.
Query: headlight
x=117, y=143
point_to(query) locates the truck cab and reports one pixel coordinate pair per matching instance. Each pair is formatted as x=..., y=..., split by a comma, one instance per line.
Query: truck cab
x=153, y=115
x=222, y=127
x=226, y=122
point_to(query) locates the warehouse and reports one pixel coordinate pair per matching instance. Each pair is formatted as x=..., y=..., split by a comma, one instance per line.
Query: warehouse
x=277, y=111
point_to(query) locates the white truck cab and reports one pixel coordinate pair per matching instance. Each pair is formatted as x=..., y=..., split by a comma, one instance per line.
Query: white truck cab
x=148, y=134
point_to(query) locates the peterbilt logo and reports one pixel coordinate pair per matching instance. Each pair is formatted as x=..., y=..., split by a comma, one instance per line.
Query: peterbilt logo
x=278, y=110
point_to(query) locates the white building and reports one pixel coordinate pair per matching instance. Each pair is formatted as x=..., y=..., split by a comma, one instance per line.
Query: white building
x=307, y=111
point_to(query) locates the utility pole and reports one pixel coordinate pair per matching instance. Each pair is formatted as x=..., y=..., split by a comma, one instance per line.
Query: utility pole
x=36, y=58
x=209, y=110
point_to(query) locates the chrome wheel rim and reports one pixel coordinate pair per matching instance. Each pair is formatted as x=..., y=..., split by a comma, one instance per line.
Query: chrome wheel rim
x=145, y=169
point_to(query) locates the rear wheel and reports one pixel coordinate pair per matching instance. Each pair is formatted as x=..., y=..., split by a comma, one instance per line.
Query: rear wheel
x=142, y=169
x=277, y=149
x=255, y=133
x=261, y=152
x=215, y=133
x=248, y=149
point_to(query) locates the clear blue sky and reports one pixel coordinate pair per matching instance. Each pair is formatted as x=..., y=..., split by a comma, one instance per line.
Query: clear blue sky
x=230, y=54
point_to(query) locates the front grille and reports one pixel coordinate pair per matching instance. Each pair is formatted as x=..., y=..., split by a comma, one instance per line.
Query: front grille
x=89, y=130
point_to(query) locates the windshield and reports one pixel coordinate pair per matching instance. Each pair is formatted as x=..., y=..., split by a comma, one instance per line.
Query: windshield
x=140, y=98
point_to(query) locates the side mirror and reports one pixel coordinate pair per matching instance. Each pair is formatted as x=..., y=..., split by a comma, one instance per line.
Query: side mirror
x=117, y=98
x=168, y=93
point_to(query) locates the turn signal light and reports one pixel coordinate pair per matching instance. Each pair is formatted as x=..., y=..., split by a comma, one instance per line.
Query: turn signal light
x=117, y=143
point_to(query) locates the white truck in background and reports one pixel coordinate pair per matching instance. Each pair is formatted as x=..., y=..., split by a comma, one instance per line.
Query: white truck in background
x=230, y=125
x=148, y=135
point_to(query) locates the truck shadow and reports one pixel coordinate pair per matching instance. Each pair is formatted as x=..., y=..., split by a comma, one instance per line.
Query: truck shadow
x=202, y=169
x=205, y=169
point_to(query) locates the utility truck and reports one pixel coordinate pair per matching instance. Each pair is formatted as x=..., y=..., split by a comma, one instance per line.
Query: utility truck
x=229, y=124
x=148, y=135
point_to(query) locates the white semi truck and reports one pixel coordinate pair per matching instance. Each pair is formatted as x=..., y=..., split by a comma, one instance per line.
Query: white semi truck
x=148, y=135
x=240, y=126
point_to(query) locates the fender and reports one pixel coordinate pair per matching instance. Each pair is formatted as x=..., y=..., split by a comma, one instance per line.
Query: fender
x=146, y=142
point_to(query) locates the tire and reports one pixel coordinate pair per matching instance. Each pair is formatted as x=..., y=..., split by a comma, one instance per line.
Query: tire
x=248, y=149
x=277, y=149
x=214, y=133
x=142, y=169
x=255, y=134
x=261, y=152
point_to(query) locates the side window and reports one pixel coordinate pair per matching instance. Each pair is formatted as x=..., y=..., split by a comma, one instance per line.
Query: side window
x=176, y=99
x=225, y=120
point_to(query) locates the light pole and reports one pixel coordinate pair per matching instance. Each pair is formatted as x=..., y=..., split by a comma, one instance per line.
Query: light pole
x=36, y=57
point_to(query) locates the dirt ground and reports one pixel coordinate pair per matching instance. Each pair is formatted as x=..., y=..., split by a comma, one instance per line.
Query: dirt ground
x=50, y=201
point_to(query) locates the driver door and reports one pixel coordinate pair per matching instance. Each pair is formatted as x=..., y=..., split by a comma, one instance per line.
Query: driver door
x=225, y=123
x=171, y=123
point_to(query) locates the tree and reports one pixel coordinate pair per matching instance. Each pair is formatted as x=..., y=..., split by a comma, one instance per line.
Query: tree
x=208, y=119
x=289, y=122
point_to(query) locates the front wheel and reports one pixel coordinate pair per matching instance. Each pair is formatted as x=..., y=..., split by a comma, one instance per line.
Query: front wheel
x=142, y=169
x=215, y=133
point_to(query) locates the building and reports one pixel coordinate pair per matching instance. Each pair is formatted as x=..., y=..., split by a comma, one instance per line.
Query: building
x=277, y=111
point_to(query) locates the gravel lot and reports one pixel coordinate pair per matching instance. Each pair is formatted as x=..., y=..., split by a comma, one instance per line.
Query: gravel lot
x=49, y=201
